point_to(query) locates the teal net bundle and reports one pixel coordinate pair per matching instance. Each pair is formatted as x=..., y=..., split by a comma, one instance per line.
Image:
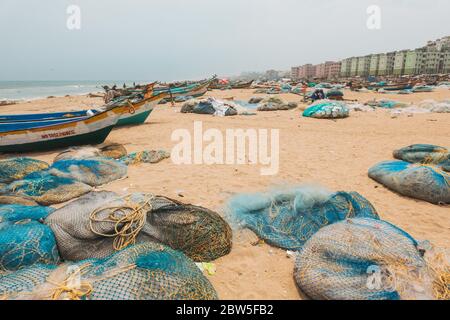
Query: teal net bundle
x=150, y=156
x=287, y=219
x=327, y=110
x=6, y=199
x=24, y=243
x=17, y=168
x=422, y=181
x=47, y=189
x=14, y=213
x=147, y=271
x=367, y=259
x=100, y=223
x=424, y=153
x=92, y=171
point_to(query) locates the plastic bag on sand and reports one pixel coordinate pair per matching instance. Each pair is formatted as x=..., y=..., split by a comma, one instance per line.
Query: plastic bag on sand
x=327, y=110
x=425, y=153
x=92, y=171
x=421, y=181
x=17, y=168
x=366, y=259
x=147, y=271
x=14, y=213
x=47, y=189
x=287, y=219
x=24, y=243
x=99, y=223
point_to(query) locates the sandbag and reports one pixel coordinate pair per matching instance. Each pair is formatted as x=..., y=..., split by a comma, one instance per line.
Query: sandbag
x=92, y=171
x=363, y=259
x=99, y=223
x=14, y=213
x=423, y=153
x=287, y=219
x=327, y=110
x=147, y=271
x=17, y=168
x=421, y=181
x=24, y=243
x=47, y=189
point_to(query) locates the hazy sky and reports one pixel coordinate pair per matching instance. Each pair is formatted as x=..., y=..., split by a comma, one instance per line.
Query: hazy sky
x=181, y=39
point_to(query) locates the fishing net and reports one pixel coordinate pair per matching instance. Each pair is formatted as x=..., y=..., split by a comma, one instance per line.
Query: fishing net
x=24, y=243
x=107, y=150
x=47, y=189
x=327, y=110
x=14, y=213
x=287, y=219
x=92, y=171
x=100, y=223
x=17, y=168
x=334, y=93
x=421, y=181
x=13, y=199
x=147, y=271
x=151, y=156
x=275, y=103
x=389, y=104
x=367, y=259
x=424, y=153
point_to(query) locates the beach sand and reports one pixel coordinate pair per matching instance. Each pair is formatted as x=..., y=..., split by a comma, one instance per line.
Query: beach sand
x=335, y=154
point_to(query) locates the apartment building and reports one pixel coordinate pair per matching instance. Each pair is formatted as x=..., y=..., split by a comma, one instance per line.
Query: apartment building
x=374, y=64
x=399, y=62
x=363, y=66
x=345, y=67
x=354, y=66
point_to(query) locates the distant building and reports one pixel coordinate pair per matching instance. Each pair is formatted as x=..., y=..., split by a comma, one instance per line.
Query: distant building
x=345, y=67
x=374, y=63
x=363, y=66
x=399, y=62
x=386, y=64
x=446, y=62
x=414, y=62
x=354, y=66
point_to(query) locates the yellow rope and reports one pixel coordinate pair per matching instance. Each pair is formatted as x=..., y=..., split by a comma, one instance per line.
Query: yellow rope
x=126, y=226
x=83, y=289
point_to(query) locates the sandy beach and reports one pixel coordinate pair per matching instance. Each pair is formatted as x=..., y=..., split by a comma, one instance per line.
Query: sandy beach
x=334, y=154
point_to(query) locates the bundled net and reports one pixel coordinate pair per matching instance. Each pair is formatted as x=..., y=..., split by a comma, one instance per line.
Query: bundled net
x=287, y=219
x=17, y=168
x=15, y=199
x=100, y=223
x=423, y=181
x=92, y=171
x=24, y=243
x=147, y=271
x=151, y=156
x=423, y=153
x=327, y=110
x=14, y=213
x=108, y=150
x=367, y=259
x=47, y=189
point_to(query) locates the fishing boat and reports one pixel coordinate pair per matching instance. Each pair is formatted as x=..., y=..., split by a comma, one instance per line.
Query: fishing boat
x=193, y=90
x=242, y=85
x=40, y=136
x=140, y=109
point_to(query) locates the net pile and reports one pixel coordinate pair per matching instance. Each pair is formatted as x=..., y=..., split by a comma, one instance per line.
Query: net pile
x=47, y=189
x=327, y=110
x=287, y=219
x=15, y=199
x=17, y=168
x=147, y=271
x=14, y=213
x=92, y=171
x=24, y=243
x=151, y=156
x=99, y=223
x=107, y=150
x=367, y=259
x=427, y=182
x=423, y=153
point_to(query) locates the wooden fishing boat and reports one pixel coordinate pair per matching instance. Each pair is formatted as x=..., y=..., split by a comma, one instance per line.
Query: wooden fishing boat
x=244, y=85
x=140, y=111
x=194, y=90
x=39, y=137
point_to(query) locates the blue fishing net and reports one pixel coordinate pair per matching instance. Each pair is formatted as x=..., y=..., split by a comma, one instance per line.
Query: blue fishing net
x=14, y=212
x=24, y=243
x=147, y=271
x=327, y=110
x=146, y=156
x=425, y=153
x=17, y=168
x=421, y=181
x=92, y=171
x=362, y=259
x=288, y=219
x=47, y=189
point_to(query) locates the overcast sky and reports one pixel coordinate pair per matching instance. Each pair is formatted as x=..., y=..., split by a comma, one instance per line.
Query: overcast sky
x=188, y=39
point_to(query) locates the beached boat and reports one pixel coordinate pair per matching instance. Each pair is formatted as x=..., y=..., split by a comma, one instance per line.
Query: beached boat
x=140, y=111
x=242, y=85
x=15, y=137
x=193, y=90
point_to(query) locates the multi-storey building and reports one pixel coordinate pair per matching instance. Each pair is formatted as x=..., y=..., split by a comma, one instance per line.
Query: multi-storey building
x=374, y=63
x=399, y=63
x=354, y=66
x=363, y=66
x=345, y=67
